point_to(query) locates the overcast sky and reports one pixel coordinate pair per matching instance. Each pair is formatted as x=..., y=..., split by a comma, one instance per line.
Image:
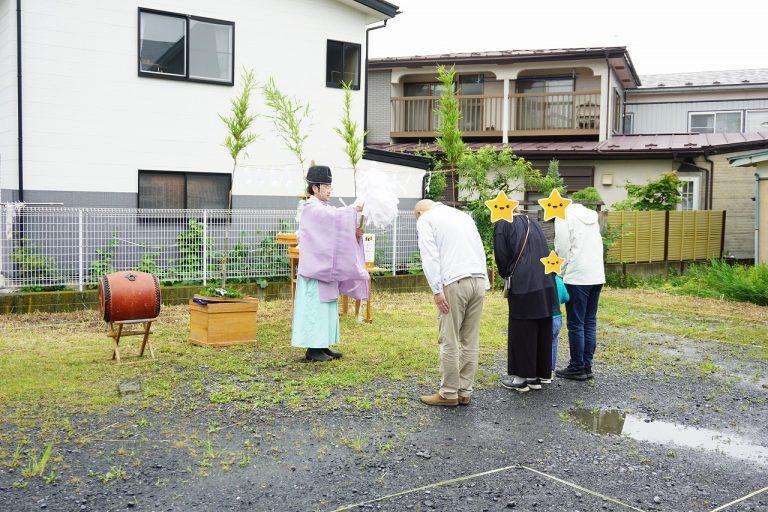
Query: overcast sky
x=661, y=36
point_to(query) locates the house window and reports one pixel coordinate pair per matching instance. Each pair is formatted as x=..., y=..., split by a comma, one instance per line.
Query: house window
x=342, y=64
x=757, y=121
x=689, y=193
x=629, y=123
x=182, y=190
x=182, y=47
x=714, y=122
x=616, y=111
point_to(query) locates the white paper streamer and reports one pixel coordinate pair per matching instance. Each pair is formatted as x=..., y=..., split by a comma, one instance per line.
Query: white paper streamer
x=376, y=192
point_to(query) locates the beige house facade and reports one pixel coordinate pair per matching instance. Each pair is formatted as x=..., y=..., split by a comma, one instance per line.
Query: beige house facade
x=590, y=109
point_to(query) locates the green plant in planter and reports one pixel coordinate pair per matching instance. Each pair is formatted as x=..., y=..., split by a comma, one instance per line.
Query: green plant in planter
x=34, y=266
x=214, y=291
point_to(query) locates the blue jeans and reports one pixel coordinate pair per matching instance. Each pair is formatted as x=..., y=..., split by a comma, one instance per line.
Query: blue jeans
x=557, y=324
x=582, y=322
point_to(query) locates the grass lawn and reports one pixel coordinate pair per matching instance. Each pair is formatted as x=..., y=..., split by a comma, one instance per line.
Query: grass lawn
x=57, y=365
x=63, y=418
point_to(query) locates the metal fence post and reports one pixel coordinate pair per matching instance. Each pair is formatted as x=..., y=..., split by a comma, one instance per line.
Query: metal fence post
x=205, y=247
x=394, y=245
x=80, y=250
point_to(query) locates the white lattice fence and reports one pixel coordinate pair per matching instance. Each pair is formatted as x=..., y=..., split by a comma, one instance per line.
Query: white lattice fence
x=43, y=247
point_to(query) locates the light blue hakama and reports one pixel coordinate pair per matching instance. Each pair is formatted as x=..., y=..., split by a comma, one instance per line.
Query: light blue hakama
x=315, y=323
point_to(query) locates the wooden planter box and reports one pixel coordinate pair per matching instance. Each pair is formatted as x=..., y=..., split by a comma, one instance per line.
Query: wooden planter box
x=220, y=323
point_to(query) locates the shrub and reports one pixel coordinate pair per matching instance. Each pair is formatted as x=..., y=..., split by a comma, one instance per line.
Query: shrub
x=35, y=267
x=589, y=197
x=661, y=194
x=718, y=279
x=621, y=280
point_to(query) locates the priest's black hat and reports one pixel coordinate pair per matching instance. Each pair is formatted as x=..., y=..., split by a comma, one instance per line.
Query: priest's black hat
x=319, y=174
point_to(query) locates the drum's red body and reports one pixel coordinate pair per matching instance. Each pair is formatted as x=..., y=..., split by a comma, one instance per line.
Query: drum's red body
x=129, y=296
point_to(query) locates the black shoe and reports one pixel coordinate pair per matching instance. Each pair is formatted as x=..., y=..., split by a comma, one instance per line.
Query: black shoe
x=534, y=383
x=509, y=383
x=572, y=373
x=317, y=355
x=588, y=372
x=329, y=352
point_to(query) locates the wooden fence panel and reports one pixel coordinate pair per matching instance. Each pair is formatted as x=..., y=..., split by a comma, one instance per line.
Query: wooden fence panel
x=643, y=236
x=695, y=235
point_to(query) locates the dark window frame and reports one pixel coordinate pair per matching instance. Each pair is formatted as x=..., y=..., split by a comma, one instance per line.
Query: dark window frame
x=186, y=175
x=186, y=77
x=344, y=44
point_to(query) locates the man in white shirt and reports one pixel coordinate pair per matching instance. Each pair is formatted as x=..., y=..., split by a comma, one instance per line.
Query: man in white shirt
x=453, y=260
x=578, y=240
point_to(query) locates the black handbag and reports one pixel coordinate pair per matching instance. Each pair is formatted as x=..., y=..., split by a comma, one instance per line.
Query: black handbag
x=508, y=279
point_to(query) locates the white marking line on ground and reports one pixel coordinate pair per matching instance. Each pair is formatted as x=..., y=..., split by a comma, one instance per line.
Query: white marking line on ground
x=477, y=475
x=593, y=493
x=734, y=502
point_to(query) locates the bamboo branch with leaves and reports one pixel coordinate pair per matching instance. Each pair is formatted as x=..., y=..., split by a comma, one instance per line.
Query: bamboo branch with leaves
x=348, y=130
x=239, y=137
x=288, y=116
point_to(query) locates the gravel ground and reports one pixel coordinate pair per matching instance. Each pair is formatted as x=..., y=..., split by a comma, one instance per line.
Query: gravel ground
x=228, y=457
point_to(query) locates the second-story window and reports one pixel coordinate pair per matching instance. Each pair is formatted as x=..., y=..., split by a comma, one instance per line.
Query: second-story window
x=342, y=64
x=617, y=124
x=714, y=122
x=757, y=121
x=182, y=47
x=629, y=123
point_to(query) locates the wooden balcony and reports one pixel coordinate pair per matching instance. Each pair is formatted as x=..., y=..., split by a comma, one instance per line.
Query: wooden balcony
x=525, y=114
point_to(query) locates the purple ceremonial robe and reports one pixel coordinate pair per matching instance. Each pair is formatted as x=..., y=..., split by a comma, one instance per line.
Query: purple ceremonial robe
x=330, y=251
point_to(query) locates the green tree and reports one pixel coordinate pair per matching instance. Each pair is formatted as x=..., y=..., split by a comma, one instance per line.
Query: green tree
x=588, y=196
x=546, y=183
x=661, y=194
x=449, y=114
x=484, y=174
x=348, y=131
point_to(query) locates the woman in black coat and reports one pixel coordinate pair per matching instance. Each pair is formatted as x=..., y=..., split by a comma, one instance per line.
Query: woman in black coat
x=518, y=247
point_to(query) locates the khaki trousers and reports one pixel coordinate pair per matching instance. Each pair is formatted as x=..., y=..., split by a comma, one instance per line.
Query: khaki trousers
x=459, y=336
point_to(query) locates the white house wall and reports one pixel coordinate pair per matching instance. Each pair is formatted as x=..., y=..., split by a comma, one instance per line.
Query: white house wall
x=8, y=138
x=90, y=123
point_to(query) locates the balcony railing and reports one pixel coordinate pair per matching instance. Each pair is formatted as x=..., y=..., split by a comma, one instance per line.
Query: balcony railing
x=562, y=113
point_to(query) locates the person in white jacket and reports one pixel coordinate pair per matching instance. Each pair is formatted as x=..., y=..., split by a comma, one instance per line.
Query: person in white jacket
x=454, y=264
x=578, y=240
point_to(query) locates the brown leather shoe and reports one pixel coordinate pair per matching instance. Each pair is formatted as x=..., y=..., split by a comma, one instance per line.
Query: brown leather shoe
x=436, y=399
x=464, y=400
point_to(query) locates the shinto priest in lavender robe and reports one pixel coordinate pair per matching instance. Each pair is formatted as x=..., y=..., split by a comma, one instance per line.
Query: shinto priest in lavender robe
x=331, y=262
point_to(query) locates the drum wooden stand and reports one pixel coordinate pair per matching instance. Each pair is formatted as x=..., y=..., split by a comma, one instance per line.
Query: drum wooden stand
x=117, y=334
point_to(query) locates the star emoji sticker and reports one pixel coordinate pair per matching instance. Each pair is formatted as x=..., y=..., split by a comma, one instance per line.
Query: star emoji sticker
x=554, y=205
x=501, y=207
x=553, y=263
